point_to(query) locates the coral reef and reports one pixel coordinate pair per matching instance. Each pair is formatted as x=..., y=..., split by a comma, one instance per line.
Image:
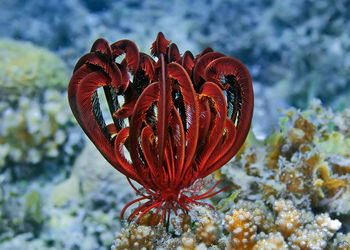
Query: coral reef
x=243, y=231
x=295, y=49
x=80, y=212
x=36, y=121
x=266, y=213
x=306, y=161
x=300, y=229
x=300, y=169
x=342, y=241
x=37, y=130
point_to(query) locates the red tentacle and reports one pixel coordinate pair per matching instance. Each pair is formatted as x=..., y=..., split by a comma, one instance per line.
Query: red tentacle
x=148, y=97
x=164, y=106
x=241, y=86
x=212, y=194
x=102, y=46
x=209, y=191
x=120, y=157
x=156, y=214
x=131, y=53
x=204, y=51
x=173, y=53
x=178, y=73
x=129, y=204
x=203, y=61
x=139, y=209
x=221, y=152
x=218, y=105
x=148, y=148
x=164, y=211
x=178, y=143
x=187, y=61
x=147, y=209
x=160, y=45
x=147, y=64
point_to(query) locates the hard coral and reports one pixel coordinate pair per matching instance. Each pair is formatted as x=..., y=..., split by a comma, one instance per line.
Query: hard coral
x=135, y=237
x=207, y=230
x=300, y=229
x=36, y=122
x=307, y=161
x=242, y=229
x=273, y=241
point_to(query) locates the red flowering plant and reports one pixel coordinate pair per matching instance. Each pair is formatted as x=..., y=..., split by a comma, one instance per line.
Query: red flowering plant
x=182, y=118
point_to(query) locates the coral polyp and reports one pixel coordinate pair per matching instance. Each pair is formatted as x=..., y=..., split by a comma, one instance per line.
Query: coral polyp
x=183, y=117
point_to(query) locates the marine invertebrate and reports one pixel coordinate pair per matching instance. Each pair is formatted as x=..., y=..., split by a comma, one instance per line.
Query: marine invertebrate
x=36, y=121
x=137, y=238
x=182, y=118
x=289, y=219
x=306, y=161
x=242, y=230
x=274, y=241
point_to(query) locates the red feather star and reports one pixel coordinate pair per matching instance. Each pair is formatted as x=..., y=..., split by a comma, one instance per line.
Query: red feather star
x=182, y=118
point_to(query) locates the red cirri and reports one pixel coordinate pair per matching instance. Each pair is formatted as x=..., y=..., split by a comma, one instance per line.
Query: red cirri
x=174, y=119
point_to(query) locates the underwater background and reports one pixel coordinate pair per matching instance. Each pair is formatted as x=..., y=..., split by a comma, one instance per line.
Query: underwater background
x=290, y=182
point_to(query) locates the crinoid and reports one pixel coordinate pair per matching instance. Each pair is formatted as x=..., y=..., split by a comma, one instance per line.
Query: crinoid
x=182, y=117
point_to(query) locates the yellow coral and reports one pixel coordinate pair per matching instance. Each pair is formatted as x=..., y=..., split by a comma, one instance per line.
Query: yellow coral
x=324, y=222
x=189, y=243
x=135, y=237
x=274, y=241
x=274, y=142
x=288, y=218
x=182, y=222
x=308, y=238
x=242, y=230
x=250, y=226
x=288, y=221
x=307, y=127
x=206, y=231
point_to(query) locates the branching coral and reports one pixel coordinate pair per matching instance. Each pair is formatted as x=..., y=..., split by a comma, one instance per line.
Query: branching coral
x=288, y=228
x=273, y=241
x=242, y=230
x=137, y=237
